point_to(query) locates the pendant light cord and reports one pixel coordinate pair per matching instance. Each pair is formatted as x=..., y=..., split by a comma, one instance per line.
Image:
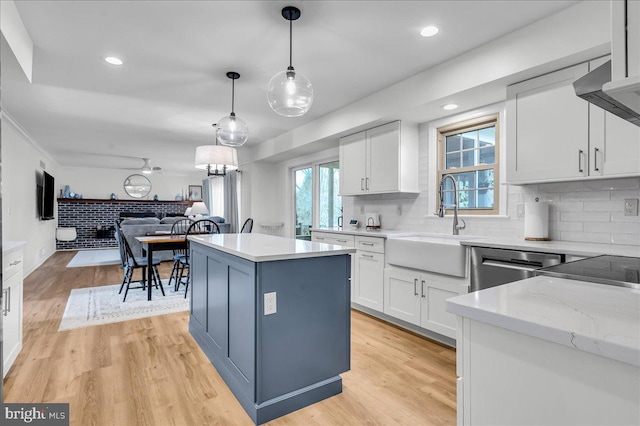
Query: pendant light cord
x=233, y=95
x=291, y=44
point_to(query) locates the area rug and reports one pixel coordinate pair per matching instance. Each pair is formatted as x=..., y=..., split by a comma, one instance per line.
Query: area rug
x=103, y=305
x=95, y=258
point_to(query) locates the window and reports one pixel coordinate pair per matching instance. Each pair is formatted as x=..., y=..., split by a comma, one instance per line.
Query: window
x=468, y=151
x=316, y=200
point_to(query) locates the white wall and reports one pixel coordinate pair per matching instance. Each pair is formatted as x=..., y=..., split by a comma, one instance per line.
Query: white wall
x=20, y=162
x=263, y=192
x=100, y=183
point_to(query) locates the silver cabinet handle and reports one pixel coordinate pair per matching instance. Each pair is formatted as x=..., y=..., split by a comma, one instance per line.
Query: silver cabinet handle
x=366, y=255
x=422, y=289
x=17, y=262
x=366, y=244
x=4, y=299
x=366, y=186
x=319, y=238
x=580, y=152
x=595, y=159
x=415, y=287
x=342, y=241
x=8, y=299
x=361, y=184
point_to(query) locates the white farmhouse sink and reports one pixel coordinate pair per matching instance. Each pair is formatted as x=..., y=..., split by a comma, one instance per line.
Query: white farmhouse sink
x=439, y=253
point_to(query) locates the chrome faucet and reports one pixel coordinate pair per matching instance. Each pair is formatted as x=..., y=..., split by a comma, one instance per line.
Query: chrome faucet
x=441, y=211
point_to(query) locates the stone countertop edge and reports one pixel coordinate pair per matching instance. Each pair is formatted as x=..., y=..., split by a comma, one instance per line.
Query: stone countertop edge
x=566, y=247
x=257, y=247
x=9, y=246
x=600, y=319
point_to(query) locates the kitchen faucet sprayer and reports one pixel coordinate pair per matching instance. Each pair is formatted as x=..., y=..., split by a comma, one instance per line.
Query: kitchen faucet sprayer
x=441, y=210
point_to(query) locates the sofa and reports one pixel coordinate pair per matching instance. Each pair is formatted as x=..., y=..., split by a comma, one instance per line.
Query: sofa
x=139, y=227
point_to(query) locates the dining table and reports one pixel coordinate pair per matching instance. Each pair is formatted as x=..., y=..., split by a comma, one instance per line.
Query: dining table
x=151, y=243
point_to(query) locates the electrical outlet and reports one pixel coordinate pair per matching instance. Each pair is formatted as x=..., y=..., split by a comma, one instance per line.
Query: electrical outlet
x=399, y=210
x=270, y=303
x=520, y=210
x=631, y=207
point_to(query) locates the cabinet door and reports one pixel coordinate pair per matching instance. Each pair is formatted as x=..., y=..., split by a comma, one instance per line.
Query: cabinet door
x=401, y=295
x=352, y=164
x=11, y=320
x=369, y=277
x=547, y=128
x=434, y=292
x=383, y=158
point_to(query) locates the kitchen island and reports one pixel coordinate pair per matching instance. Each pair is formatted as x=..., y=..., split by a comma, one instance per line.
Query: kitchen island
x=272, y=314
x=548, y=350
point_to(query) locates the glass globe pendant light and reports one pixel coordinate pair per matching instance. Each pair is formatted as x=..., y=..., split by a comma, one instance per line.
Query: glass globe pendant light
x=289, y=93
x=231, y=130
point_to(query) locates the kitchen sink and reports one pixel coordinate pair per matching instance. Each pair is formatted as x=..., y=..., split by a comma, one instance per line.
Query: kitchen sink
x=439, y=253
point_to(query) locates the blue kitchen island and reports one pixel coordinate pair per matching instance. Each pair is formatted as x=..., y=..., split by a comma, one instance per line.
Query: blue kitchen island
x=273, y=362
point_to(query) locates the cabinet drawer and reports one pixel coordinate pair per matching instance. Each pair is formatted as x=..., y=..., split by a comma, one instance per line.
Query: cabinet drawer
x=374, y=244
x=329, y=238
x=11, y=263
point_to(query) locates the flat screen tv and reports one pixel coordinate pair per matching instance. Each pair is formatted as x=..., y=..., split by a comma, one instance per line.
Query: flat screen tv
x=48, y=197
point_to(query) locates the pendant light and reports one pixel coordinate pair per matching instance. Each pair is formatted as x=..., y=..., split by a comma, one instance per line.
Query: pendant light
x=216, y=159
x=232, y=131
x=289, y=93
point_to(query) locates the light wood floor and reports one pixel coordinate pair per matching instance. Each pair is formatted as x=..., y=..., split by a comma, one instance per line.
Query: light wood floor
x=151, y=372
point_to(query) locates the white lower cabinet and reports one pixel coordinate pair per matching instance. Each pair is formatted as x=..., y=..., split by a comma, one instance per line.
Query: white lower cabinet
x=11, y=308
x=419, y=298
x=369, y=272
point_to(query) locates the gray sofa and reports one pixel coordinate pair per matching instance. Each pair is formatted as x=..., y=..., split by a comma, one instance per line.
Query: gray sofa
x=139, y=227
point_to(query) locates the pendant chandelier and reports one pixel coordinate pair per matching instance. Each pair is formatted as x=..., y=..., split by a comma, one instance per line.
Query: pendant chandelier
x=289, y=93
x=217, y=160
x=231, y=130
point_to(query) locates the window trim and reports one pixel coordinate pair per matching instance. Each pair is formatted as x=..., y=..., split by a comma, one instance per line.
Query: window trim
x=465, y=125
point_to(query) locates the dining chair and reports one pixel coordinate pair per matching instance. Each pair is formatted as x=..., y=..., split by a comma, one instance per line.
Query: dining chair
x=179, y=228
x=203, y=226
x=247, y=226
x=130, y=263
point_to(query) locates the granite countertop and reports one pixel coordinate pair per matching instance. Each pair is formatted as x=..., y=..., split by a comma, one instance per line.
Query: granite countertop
x=264, y=248
x=9, y=246
x=596, y=318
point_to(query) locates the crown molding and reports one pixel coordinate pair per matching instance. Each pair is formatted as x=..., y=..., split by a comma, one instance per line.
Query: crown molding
x=4, y=115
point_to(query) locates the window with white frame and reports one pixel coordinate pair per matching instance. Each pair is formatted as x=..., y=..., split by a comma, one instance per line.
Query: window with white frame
x=316, y=199
x=469, y=152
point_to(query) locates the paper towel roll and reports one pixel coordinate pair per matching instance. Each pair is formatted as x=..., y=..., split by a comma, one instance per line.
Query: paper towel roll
x=536, y=221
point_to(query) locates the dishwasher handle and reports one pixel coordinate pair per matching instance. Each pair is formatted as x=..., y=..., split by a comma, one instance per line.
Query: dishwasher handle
x=510, y=265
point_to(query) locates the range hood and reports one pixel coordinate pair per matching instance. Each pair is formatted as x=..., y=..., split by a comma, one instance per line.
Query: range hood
x=589, y=88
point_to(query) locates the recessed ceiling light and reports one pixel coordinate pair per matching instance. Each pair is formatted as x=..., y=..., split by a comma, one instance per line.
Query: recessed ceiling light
x=429, y=31
x=449, y=107
x=113, y=60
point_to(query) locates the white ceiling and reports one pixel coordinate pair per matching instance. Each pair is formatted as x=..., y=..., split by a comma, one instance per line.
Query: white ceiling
x=161, y=103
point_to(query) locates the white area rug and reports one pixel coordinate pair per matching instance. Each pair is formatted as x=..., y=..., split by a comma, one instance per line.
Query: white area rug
x=95, y=258
x=103, y=305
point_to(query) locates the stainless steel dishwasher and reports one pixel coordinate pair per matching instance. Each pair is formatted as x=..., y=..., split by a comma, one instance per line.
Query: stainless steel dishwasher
x=491, y=266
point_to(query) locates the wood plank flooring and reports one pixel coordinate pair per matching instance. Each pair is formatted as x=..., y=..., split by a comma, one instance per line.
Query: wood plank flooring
x=151, y=372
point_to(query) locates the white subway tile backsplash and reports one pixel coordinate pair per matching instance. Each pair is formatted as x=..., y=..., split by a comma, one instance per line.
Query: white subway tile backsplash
x=586, y=237
x=561, y=187
x=585, y=216
x=586, y=196
x=603, y=206
x=625, y=193
x=629, y=239
x=567, y=206
x=619, y=228
x=566, y=226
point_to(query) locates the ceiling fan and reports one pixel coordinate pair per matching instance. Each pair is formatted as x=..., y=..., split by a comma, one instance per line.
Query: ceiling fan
x=146, y=167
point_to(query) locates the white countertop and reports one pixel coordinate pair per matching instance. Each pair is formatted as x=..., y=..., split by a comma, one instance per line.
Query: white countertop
x=9, y=246
x=596, y=318
x=563, y=247
x=264, y=248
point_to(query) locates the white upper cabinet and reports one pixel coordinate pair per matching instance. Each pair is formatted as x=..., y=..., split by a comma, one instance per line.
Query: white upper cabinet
x=383, y=159
x=547, y=128
x=553, y=135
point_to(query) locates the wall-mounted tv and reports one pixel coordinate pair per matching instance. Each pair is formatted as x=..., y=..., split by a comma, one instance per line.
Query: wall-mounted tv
x=47, y=200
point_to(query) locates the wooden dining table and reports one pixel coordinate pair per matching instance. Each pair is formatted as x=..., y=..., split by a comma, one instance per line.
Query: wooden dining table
x=153, y=243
